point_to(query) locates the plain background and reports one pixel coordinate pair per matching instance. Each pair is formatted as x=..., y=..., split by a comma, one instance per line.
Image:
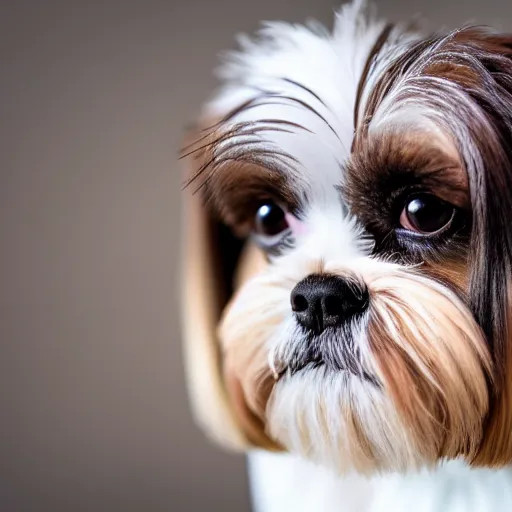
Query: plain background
x=94, y=98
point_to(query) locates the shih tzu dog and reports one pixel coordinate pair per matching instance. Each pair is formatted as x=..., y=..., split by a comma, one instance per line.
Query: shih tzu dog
x=348, y=266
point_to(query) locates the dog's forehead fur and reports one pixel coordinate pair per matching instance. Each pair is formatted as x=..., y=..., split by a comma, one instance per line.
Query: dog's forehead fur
x=308, y=77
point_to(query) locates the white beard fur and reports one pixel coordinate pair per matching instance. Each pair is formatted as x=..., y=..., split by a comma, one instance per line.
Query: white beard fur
x=285, y=483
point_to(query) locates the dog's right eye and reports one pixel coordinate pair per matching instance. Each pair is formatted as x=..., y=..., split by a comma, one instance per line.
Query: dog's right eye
x=270, y=224
x=270, y=220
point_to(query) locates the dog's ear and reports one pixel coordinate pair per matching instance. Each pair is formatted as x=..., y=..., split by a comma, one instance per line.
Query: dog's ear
x=209, y=258
x=487, y=80
x=214, y=264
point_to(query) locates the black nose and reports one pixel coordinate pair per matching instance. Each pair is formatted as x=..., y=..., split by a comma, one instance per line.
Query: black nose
x=321, y=301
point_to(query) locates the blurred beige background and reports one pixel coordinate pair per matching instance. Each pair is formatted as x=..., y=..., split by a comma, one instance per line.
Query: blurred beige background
x=93, y=99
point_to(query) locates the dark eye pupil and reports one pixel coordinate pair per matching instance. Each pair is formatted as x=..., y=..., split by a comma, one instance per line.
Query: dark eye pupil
x=428, y=213
x=270, y=219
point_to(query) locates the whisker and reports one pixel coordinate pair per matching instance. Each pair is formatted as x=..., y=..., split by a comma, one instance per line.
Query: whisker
x=209, y=129
x=285, y=122
x=254, y=102
x=271, y=159
x=247, y=130
x=304, y=88
x=312, y=110
x=244, y=128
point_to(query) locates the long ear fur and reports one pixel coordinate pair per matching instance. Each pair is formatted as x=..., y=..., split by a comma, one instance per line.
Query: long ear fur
x=466, y=86
x=209, y=258
x=491, y=189
x=215, y=263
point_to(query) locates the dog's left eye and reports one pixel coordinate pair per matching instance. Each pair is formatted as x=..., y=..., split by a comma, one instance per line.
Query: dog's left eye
x=270, y=224
x=426, y=214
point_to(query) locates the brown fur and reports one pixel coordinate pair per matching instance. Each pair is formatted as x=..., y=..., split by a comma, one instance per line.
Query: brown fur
x=438, y=374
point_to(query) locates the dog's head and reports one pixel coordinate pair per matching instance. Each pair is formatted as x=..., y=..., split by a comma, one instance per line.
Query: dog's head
x=349, y=246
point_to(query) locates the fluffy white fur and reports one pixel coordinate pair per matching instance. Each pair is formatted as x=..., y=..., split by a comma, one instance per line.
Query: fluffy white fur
x=329, y=64
x=287, y=483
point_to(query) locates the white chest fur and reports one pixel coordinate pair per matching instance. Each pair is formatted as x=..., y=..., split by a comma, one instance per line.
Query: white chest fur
x=282, y=483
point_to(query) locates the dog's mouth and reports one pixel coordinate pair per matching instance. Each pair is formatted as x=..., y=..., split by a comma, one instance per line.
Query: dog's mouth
x=332, y=352
x=296, y=366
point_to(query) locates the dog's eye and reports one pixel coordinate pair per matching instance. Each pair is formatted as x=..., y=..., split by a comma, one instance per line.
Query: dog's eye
x=270, y=220
x=270, y=224
x=426, y=214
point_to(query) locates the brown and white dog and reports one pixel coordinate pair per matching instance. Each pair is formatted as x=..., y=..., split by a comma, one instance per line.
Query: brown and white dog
x=348, y=266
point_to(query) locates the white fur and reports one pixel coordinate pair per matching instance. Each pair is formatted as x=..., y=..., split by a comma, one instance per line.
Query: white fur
x=328, y=64
x=285, y=483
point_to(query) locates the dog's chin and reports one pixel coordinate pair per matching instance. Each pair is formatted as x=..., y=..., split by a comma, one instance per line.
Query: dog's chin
x=339, y=419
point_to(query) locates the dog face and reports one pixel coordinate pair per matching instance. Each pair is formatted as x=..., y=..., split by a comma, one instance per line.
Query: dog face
x=369, y=171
